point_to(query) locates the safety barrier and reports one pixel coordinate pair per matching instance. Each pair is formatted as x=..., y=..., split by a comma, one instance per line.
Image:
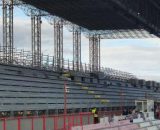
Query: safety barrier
x=56, y=122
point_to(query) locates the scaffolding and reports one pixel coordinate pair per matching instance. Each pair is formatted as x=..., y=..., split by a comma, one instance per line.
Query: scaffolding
x=36, y=39
x=58, y=44
x=23, y=58
x=76, y=49
x=7, y=8
x=35, y=58
x=94, y=53
x=117, y=74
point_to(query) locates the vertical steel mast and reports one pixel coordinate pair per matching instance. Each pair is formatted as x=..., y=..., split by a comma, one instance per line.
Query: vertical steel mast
x=58, y=44
x=8, y=31
x=94, y=53
x=36, y=39
x=76, y=49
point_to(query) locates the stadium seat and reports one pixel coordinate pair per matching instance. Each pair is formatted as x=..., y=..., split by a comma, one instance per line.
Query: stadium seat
x=152, y=128
x=156, y=122
x=138, y=120
x=104, y=120
x=144, y=124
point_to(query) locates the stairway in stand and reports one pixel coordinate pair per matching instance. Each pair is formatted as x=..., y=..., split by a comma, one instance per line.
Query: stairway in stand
x=88, y=89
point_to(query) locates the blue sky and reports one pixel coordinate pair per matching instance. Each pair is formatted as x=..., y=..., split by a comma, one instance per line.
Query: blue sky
x=138, y=56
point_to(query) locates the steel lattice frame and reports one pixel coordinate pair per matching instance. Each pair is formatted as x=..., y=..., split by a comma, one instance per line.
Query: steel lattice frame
x=8, y=31
x=36, y=40
x=94, y=53
x=58, y=44
x=76, y=49
x=144, y=11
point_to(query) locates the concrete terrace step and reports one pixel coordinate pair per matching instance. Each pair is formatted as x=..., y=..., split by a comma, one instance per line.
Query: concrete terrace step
x=91, y=92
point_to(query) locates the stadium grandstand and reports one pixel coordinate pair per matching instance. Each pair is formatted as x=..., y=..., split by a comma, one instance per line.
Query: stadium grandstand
x=42, y=92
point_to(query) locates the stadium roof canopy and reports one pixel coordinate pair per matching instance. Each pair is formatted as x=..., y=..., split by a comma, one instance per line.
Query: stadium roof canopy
x=105, y=14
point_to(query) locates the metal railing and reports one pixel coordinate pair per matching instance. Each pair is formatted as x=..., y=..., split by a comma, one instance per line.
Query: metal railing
x=24, y=58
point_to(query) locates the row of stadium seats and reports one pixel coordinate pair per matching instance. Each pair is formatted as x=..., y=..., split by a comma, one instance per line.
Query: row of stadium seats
x=30, y=88
x=20, y=92
x=150, y=125
x=19, y=70
x=121, y=125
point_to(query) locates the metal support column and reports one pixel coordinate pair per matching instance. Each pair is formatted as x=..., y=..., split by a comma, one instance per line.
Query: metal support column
x=94, y=53
x=36, y=40
x=58, y=44
x=76, y=49
x=8, y=31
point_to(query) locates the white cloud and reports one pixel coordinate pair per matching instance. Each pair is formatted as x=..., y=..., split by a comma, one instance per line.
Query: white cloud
x=140, y=60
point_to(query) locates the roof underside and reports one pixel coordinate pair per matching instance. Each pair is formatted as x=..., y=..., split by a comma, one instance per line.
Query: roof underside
x=105, y=14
